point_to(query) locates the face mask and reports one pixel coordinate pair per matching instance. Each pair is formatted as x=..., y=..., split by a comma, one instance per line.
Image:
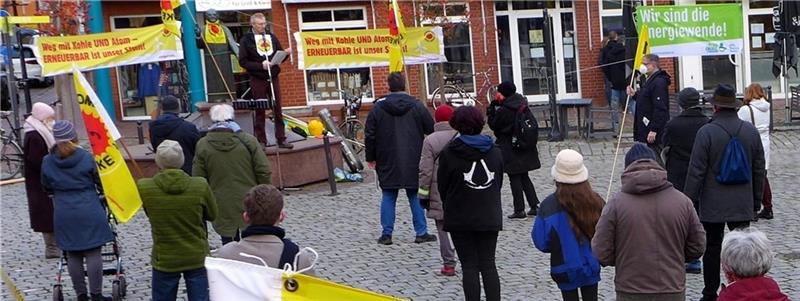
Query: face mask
x=643, y=69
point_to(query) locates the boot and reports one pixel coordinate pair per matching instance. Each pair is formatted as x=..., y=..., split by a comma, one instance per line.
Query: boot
x=100, y=297
x=50, y=247
x=765, y=214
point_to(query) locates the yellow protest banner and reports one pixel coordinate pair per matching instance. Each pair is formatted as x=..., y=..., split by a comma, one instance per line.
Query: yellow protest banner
x=642, y=48
x=154, y=43
x=366, y=48
x=120, y=189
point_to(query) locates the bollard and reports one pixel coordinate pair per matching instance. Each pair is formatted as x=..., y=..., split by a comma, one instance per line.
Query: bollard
x=140, y=131
x=329, y=161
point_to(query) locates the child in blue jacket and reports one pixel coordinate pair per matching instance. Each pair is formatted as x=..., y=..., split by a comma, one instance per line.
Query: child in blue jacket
x=565, y=226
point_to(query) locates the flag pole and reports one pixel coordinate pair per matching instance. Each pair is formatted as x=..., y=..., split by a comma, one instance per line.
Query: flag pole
x=139, y=173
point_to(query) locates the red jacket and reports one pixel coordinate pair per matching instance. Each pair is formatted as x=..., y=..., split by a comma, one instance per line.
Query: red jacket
x=760, y=288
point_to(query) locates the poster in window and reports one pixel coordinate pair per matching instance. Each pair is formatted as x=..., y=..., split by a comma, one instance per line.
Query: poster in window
x=536, y=36
x=537, y=52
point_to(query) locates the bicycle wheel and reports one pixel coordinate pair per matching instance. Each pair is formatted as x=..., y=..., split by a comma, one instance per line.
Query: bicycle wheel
x=11, y=159
x=353, y=130
x=453, y=96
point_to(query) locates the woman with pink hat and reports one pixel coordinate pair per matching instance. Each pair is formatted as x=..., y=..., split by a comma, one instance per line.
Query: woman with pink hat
x=37, y=142
x=565, y=226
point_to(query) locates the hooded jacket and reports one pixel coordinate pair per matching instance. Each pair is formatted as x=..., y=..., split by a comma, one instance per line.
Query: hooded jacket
x=648, y=231
x=170, y=126
x=652, y=106
x=678, y=139
x=178, y=207
x=572, y=264
x=428, y=165
x=760, y=119
x=502, y=119
x=469, y=179
x=395, y=130
x=720, y=203
x=79, y=218
x=232, y=163
x=761, y=288
x=613, y=55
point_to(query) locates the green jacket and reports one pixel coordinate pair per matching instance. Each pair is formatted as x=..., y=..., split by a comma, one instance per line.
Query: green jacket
x=232, y=163
x=178, y=207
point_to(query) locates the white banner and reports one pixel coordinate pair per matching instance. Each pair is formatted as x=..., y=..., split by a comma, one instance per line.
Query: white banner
x=222, y=5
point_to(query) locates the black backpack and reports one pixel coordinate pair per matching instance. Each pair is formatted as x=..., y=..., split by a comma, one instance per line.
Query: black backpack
x=526, y=129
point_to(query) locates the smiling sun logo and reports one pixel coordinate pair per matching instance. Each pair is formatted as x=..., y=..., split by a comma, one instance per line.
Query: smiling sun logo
x=98, y=136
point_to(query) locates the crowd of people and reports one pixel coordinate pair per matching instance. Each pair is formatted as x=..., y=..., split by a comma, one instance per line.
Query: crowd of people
x=685, y=179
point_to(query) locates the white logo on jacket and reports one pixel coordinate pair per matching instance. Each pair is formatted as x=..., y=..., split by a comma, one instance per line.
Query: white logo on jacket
x=468, y=177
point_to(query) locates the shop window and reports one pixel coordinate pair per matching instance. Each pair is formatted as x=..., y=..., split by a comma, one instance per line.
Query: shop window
x=612, y=4
x=611, y=17
x=457, y=45
x=140, y=86
x=522, y=5
x=500, y=5
x=325, y=85
x=763, y=3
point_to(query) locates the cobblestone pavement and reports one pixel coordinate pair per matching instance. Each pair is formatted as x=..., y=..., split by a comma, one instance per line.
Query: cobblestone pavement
x=343, y=229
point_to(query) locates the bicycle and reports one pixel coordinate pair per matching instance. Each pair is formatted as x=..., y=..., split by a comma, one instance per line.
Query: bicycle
x=11, y=156
x=352, y=128
x=455, y=95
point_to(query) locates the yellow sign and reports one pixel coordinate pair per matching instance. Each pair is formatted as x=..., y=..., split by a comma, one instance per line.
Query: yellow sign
x=642, y=48
x=29, y=20
x=120, y=190
x=366, y=48
x=57, y=55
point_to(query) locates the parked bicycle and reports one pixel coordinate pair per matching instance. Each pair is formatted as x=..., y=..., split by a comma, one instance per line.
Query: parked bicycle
x=352, y=128
x=11, y=156
x=453, y=93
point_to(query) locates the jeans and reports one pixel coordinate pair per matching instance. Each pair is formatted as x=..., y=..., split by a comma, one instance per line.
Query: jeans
x=94, y=269
x=476, y=252
x=165, y=285
x=388, y=203
x=445, y=246
x=617, y=99
x=521, y=185
x=588, y=293
x=714, y=235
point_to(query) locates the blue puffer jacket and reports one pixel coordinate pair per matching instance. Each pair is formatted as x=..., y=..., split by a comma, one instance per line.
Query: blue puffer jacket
x=572, y=264
x=80, y=221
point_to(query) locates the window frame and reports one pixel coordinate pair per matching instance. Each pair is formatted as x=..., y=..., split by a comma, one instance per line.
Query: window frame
x=120, y=93
x=603, y=12
x=334, y=25
x=452, y=19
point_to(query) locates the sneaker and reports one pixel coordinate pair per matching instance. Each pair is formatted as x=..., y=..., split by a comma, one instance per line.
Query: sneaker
x=532, y=212
x=286, y=145
x=448, y=271
x=520, y=214
x=765, y=214
x=694, y=267
x=385, y=240
x=425, y=238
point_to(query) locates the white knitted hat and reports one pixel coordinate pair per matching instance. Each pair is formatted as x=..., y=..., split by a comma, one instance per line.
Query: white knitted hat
x=569, y=168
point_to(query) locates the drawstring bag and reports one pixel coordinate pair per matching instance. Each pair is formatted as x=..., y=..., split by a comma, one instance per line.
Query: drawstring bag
x=734, y=166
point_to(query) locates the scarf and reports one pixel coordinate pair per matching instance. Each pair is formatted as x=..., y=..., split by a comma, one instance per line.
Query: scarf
x=33, y=124
x=229, y=124
x=290, y=249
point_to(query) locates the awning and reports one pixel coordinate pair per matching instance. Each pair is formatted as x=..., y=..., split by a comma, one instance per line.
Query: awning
x=222, y=5
x=312, y=1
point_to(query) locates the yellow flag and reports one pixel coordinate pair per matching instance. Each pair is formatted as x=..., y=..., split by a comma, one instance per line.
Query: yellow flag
x=119, y=187
x=398, y=32
x=642, y=48
x=168, y=16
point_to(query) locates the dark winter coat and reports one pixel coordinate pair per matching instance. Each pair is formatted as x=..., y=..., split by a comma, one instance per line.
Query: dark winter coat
x=40, y=206
x=572, y=264
x=170, y=126
x=502, y=118
x=724, y=203
x=648, y=231
x=614, y=52
x=80, y=220
x=469, y=180
x=395, y=130
x=678, y=138
x=652, y=103
x=250, y=60
x=761, y=288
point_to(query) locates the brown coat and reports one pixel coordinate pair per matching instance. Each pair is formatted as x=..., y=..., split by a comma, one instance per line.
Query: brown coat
x=648, y=231
x=428, y=165
x=267, y=247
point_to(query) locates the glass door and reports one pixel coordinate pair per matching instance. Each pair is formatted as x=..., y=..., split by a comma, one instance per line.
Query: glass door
x=532, y=61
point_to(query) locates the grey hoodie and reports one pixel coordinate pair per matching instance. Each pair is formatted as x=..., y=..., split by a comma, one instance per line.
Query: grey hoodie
x=648, y=231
